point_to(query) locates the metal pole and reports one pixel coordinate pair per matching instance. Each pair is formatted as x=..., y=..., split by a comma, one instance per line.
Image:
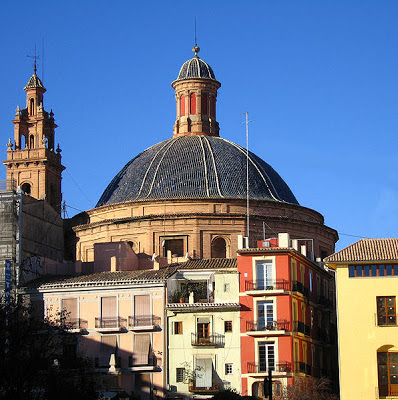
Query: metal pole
x=247, y=178
x=270, y=383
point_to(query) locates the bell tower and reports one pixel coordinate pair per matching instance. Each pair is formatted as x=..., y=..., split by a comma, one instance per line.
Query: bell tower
x=34, y=164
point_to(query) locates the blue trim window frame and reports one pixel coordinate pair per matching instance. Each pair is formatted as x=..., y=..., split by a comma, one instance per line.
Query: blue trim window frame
x=372, y=270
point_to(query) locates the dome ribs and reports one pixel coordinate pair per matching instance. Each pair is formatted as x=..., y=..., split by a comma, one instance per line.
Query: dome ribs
x=195, y=167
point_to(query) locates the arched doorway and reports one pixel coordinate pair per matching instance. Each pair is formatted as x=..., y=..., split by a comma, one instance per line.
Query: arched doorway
x=219, y=248
x=26, y=188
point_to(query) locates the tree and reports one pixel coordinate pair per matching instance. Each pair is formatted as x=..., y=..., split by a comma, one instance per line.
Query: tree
x=310, y=389
x=37, y=358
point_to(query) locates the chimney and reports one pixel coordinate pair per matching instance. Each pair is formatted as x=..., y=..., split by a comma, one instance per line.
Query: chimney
x=113, y=264
x=284, y=240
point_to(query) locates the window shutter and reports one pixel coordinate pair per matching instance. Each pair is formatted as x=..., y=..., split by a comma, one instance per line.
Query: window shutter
x=141, y=349
x=108, y=307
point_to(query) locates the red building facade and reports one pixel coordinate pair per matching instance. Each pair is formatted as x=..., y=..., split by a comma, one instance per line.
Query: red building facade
x=287, y=315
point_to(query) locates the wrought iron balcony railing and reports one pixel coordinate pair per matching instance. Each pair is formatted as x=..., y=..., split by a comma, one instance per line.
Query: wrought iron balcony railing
x=210, y=340
x=193, y=388
x=278, y=284
x=301, y=327
x=110, y=322
x=75, y=323
x=144, y=320
x=303, y=368
x=263, y=367
x=281, y=325
x=299, y=287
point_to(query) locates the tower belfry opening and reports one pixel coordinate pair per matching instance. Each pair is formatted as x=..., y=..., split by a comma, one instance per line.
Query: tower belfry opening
x=32, y=162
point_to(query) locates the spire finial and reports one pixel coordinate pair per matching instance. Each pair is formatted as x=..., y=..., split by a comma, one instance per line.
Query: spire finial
x=196, y=48
x=35, y=57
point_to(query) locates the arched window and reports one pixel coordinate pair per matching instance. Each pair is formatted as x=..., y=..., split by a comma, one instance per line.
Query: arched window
x=31, y=142
x=192, y=98
x=23, y=142
x=204, y=104
x=212, y=107
x=218, y=248
x=182, y=105
x=26, y=188
x=31, y=107
x=387, y=364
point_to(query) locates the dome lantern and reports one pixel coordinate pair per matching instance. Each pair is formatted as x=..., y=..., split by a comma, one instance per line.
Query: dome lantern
x=196, y=95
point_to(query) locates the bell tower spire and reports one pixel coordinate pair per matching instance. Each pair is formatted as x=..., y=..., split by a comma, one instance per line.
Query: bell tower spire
x=196, y=95
x=34, y=164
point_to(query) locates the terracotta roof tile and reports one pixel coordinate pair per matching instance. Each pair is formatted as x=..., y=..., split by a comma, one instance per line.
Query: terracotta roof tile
x=367, y=250
x=208, y=263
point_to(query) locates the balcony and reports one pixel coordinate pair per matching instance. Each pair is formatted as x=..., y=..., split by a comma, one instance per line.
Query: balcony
x=281, y=285
x=300, y=288
x=203, y=390
x=301, y=327
x=215, y=340
x=75, y=324
x=303, y=368
x=144, y=322
x=151, y=364
x=325, y=302
x=262, y=368
x=110, y=324
x=267, y=328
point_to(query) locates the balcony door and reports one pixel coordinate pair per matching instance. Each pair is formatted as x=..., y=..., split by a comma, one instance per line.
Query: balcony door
x=108, y=312
x=142, y=310
x=265, y=315
x=266, y=355
x=264, y=275
x=203, y=329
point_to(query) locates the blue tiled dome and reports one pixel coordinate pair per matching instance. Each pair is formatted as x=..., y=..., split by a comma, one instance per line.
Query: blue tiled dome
x=195, y=167
x=196, y=68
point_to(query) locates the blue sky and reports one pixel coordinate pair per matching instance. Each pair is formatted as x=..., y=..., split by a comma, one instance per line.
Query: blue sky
x=318, y=78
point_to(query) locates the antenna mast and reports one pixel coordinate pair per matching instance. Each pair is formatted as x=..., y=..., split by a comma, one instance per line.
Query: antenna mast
x=247, y=178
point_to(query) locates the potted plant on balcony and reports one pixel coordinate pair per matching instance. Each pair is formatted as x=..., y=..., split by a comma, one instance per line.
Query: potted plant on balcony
x=177, y=296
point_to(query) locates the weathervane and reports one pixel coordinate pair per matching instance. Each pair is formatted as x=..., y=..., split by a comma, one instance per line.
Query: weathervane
x=35, y=57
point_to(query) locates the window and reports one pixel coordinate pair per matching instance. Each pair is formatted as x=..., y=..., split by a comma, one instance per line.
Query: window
x=178, y=328
x=182, y=105
x=227, y=326
x=218, y=248
x=264, y=275
x=229, y=369
x=176, y=246
x=192, y=98
x=266, y=356
x=108, y=312
x=387, y=363
x=258, y=389
x=386, y=313
x=375, y=270
x=69, y=309
x=227, y=287
x=204, y=103
x=142, y=310
x=265, y=315
x=142, y=347
x=203, y=329
x=108, y=346
x=180, y=374
x=310, y=274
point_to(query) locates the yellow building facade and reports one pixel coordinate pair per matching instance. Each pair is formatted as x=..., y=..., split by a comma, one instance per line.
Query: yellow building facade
x=367, y=289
